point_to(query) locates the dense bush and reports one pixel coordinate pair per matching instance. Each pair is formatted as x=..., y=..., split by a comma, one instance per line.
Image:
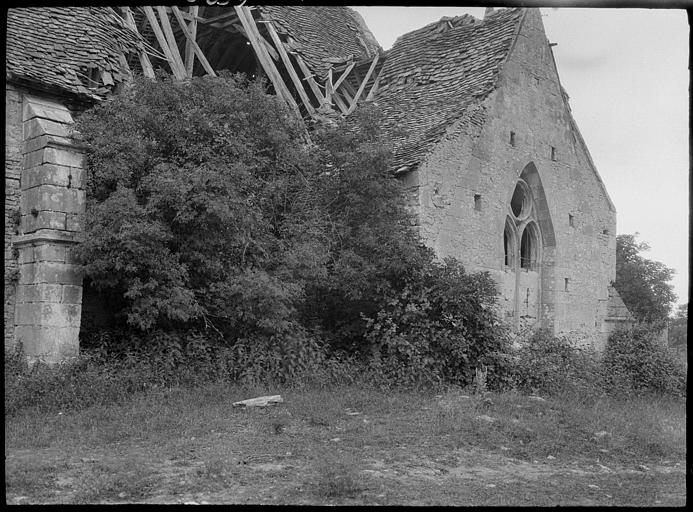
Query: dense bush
x=209, y=217
x=544, y=363
x=636, y=361
x=197, y=210
x=439, y=328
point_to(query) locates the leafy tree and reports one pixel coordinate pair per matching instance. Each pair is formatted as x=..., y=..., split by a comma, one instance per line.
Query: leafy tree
x=642, y=283
x=207, y=211
x=372, y=246
x=678, y=327
x=197, y=209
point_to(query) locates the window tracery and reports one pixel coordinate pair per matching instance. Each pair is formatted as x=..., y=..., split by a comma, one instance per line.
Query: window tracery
x=521, y=225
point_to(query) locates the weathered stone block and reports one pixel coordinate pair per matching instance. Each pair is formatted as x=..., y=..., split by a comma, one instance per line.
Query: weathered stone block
x=43, y=220
x=27, y=273
x=43, y=141
x=74, y=222
x=62, y=273
x=63, y=156
x=36, y=127
x=33, y=159
x=54, y=198
x=50, y=174
x=70, y=255
x=50, y=252
x=49, y=344
x=46, y=314
x=72, y=294
x=42, y=108
x=42, y=292
x=26, y=254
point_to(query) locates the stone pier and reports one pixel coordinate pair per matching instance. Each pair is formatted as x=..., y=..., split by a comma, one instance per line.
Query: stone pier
x=48, y=298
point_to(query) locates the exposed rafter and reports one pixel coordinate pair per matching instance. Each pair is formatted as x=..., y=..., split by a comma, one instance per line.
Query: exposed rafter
x=289, y=67
x=192, y=29
x=194, y=47
x=273, y=74
x=145, y=63
x=178, y=71
x=250, y=40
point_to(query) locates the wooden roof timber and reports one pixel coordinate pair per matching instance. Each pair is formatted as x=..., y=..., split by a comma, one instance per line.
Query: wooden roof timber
x=289, y=67
x=191, y=39
x=228, y=22
x=145, y=63
x=194, y=47
x=344, y=75
x=344, y=87
x=273, y=74
x=178, y=72
x=170, y=38
x=340, y=104
x=374, y=87
x=309, y=77
x=340, y=93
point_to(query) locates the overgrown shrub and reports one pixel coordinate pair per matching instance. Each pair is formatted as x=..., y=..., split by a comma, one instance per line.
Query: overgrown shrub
x=215, y=233
x=635, y=361
x=544, y=363
x=439, y=328
x=74, y=384
x=198, y=211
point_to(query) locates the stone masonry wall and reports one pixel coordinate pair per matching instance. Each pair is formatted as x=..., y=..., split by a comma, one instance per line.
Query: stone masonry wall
x=13, y=170
x=480, y=160
x=49, y=289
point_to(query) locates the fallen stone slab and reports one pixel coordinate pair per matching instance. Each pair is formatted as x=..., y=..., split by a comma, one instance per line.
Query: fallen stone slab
x=260, y=401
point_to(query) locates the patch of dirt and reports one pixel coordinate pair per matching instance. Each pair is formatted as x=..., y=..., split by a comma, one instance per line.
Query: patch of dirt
x=282, y=480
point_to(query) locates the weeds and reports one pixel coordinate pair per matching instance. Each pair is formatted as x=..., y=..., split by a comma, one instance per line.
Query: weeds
x=633, y=365
x=338, y=477
x=183, y=441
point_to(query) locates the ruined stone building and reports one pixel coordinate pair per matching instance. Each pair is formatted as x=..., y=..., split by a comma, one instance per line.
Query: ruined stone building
x=497, y=171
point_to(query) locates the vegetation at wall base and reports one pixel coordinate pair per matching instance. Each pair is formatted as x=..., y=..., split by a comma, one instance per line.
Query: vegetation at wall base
x=228, y=250
x=636, y=361
x=209, y=218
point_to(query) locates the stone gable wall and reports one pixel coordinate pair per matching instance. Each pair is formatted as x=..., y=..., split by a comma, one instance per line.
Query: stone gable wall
x=473, y=160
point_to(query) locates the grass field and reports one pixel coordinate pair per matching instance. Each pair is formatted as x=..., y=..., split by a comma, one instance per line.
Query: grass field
x=352, y=446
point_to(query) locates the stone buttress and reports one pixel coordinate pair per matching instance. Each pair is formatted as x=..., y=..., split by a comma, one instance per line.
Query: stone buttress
x=52, y=202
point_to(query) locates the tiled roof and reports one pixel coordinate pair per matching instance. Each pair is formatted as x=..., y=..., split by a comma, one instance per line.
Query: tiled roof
x=56, y=47
x=323, y=34
x=433, y=76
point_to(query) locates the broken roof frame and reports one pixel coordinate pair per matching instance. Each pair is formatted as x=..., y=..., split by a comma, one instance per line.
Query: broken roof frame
x=309, y=88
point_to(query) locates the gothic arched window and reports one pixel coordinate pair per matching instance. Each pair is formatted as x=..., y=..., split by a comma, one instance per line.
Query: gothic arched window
x=529, y=244
x=509, y=244
x=521, y=236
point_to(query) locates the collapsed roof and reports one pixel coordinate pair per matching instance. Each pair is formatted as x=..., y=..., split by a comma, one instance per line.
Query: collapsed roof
x=426, y=82
x=323, y=35
x=77, y=50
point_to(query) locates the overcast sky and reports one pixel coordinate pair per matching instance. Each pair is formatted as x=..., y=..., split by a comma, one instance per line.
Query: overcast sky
x=626, y=72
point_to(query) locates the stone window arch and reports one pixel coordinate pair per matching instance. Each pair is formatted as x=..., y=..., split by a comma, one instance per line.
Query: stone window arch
x=522, y=240
x=521, y=204
x=529, y=246
x=509, y=243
